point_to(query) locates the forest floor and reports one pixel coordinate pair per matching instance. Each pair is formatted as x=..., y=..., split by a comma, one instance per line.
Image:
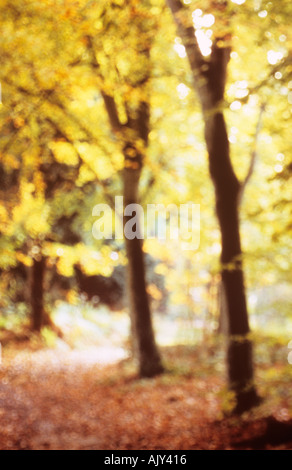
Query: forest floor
x=54, y=399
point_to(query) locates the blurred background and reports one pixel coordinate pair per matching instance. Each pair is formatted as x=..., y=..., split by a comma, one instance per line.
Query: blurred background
x=61, y=154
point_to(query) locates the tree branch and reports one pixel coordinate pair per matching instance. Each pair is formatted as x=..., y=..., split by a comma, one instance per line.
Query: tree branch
x=99, y=181
x=186, y=31
x=112, y=112
x=109, y=101
x=254, y=155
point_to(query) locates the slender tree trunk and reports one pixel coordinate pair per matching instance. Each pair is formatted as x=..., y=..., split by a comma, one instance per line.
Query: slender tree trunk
x=227, y=189
x=37, y=294
x=144, y=344
x=133, y=136
x=209, y=83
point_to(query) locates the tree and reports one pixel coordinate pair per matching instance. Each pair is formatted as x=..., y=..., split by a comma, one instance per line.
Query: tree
x=46, y=176
x=72, y=136
x=133, y=136
x=210, y=76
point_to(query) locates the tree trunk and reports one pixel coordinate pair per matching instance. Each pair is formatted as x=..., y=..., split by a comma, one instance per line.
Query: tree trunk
x=227, y=188
x=145, y=349
x=144, y=344
x=37, y=294
x=222, y=310
x=209, y=83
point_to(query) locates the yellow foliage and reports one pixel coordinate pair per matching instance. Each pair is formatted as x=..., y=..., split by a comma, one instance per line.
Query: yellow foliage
x=65, y=267
x=36, y=223
x=3, y=217
x=72, y=297
x=10, y=161
x=161, y=269
x=64, y=153
x=85, y=175
x=24, y=259
x=97, y=161
x=155, y=293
